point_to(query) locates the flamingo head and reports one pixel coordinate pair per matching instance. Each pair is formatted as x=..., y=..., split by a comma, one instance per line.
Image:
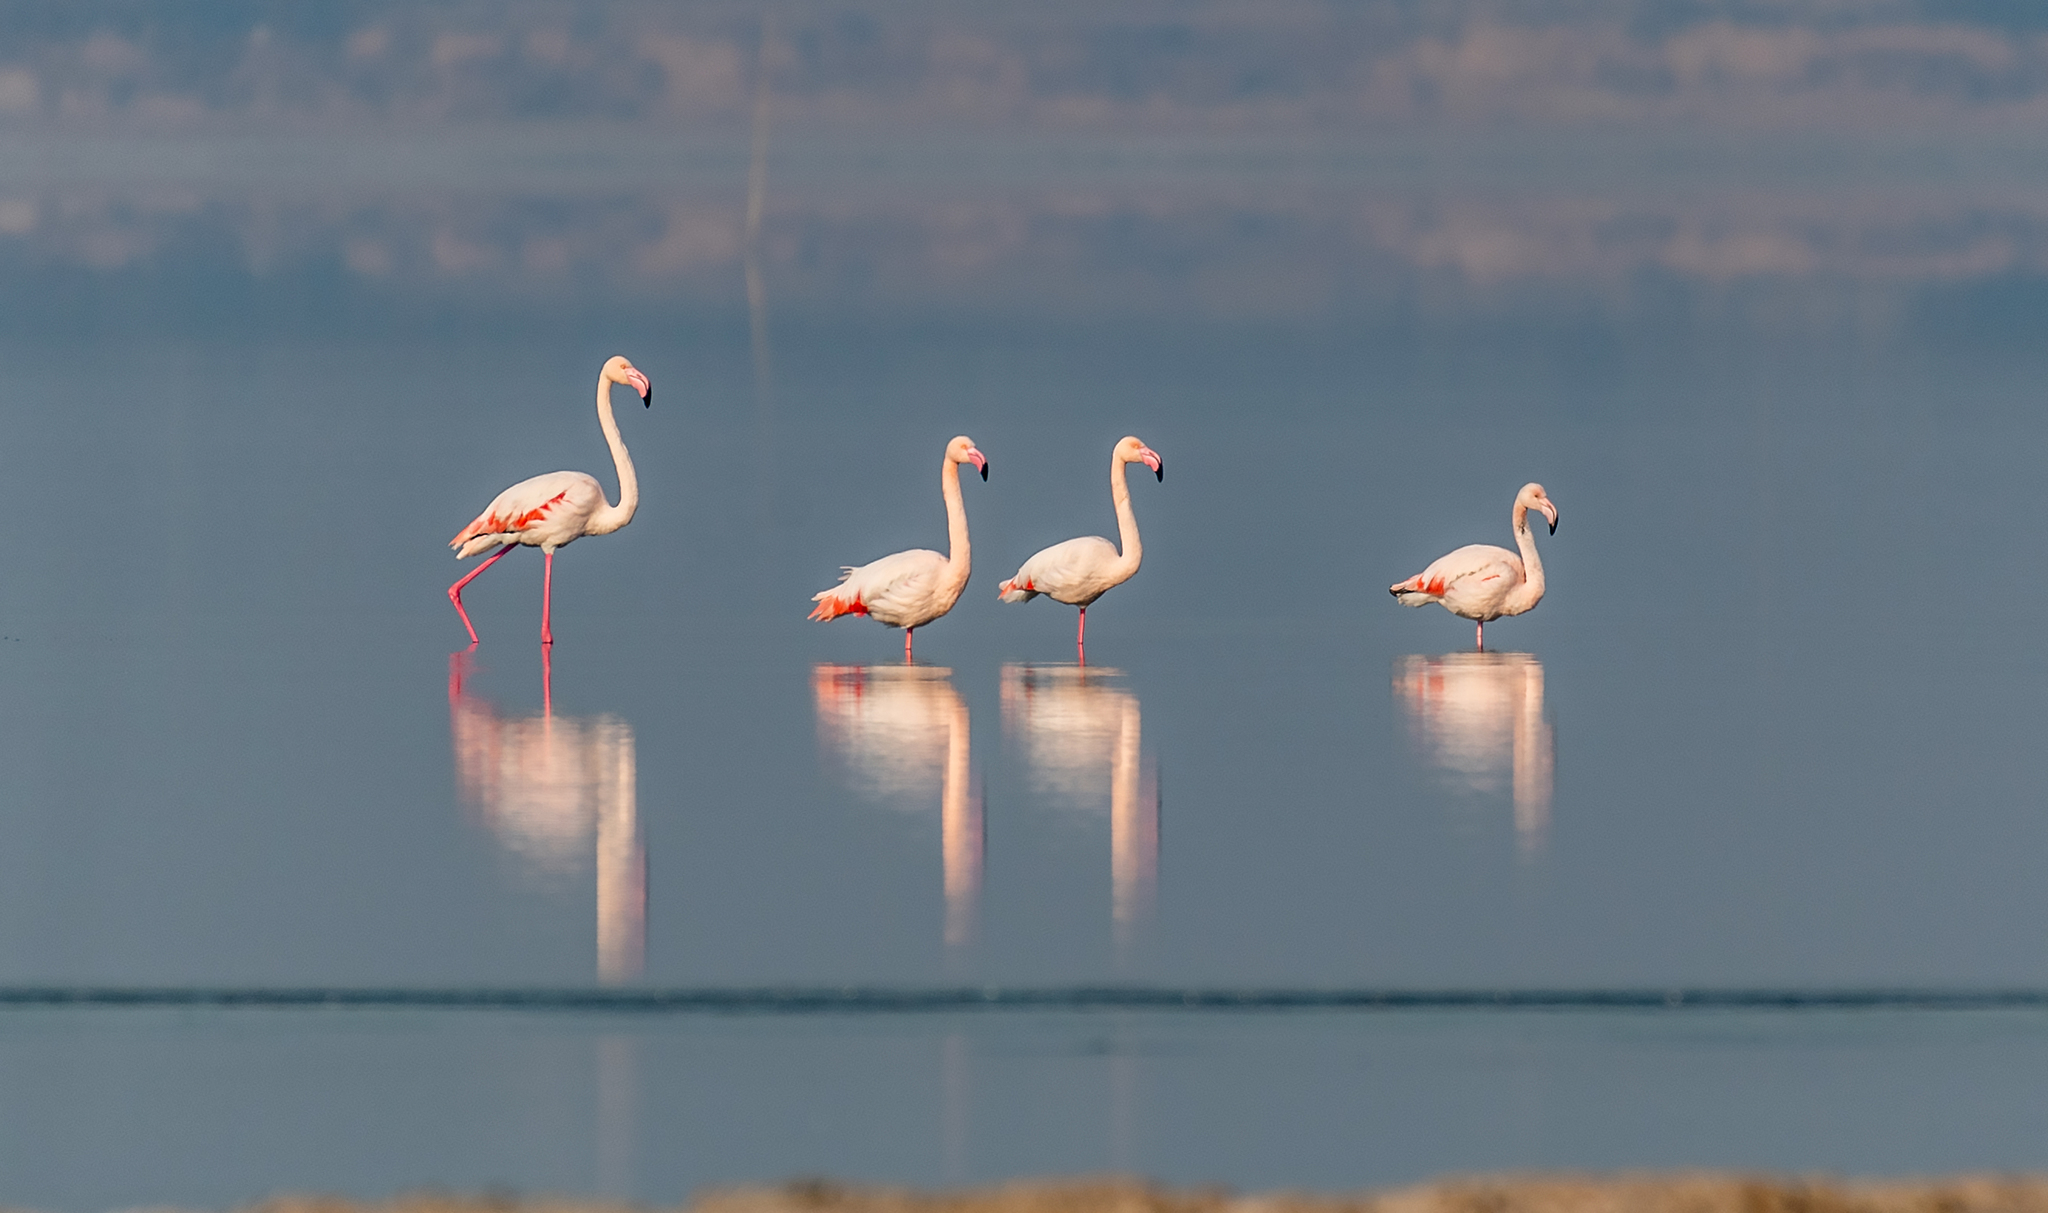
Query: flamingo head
x=1532, y=497
x=1130, y=450
x=962, y=450
x=618, y=370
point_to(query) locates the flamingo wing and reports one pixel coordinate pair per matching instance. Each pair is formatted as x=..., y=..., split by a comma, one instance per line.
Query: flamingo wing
x=892, y=590
x=546, y=510
x=1479, y=572
x=1075, y=572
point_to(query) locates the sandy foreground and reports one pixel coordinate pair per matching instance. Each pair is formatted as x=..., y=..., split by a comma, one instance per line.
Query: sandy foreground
x=1701, y=1192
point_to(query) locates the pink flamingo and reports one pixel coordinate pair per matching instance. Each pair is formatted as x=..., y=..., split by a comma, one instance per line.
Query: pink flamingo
x=1482, y=582
x=910, y=589
x=549, y=511
x=1079, y=571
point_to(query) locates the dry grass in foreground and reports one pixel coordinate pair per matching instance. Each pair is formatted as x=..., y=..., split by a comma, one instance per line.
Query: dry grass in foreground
x=1700, y=1192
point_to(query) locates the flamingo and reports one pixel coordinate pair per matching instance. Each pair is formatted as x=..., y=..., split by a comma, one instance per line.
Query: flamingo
x=1482, y=582
x=1079, y=571
x=549, y=511
x=910, y=589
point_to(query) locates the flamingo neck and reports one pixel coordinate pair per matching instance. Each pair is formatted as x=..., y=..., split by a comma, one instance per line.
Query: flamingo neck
x=612, y=517
x=1126, y=521
x=959, y=553
x=1530, y=592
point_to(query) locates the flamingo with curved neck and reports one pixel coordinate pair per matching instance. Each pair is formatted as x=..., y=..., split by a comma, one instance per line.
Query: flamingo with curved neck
x=552, y=510
x=1079, y=571
x=910, y=589
x=1482, y=582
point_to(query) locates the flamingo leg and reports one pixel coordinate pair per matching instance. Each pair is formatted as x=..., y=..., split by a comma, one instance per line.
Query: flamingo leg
x=1081, y=637
x=547, y=601
x=547, y=680
x=906, y=644
x=1482, y=635
x=455, y=591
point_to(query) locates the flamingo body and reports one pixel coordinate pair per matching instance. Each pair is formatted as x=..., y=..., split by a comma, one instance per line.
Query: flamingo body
x=1079, y=571
x=1474, y=582
x=545, y=512
x=910, y=589
x=1076, y=572
x=1482, y=582
x=905, y=590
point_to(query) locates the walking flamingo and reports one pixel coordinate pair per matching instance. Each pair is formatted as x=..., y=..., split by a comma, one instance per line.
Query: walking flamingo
x=910, y=589
x=549, y=511
x=1482, y=582
x=1079, y=571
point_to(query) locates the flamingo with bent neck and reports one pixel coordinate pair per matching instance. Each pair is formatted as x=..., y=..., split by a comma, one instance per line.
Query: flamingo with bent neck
x=1482, y=582
x=910, y=589
x=549, y=511
x=1079, y=571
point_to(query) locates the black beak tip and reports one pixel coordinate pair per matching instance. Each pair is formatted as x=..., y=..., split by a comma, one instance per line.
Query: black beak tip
x=648, y=400
x=984, y=471
x=1160, y=472
x=1553, y=528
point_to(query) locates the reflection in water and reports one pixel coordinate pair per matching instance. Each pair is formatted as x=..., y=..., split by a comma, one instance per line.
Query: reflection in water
x=1078, y=730
x=545, y=785
x=900, y=730
x=1478, y=718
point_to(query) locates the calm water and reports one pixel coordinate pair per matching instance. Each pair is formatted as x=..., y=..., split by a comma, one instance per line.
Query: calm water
x=290, y=293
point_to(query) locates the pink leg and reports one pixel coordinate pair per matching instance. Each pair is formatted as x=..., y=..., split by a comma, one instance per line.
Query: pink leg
x=547, y=679
x=1081, y=637
x=547, y=600
x=1482, y=635
x=906, y=644
x=455, y=591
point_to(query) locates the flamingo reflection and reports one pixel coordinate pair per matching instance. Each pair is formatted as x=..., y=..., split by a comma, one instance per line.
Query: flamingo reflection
x=1478, y=718
x=1078, y=729
x=900, y=729
x=545, y=785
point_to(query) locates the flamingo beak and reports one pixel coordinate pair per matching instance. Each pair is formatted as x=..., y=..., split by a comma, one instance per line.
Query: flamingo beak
x=980, y=461
x=641, y=385
x=1550, y=512
x=1152, y=460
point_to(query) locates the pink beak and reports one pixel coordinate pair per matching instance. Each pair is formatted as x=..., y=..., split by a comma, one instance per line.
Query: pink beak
x=642, y=386
x=1152, y=460
x=980, y=461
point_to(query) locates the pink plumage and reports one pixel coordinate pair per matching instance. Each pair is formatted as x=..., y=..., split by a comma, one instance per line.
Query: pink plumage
x=549, y=511
x=1079, y=571
x=910, y=589
x=1481, y=582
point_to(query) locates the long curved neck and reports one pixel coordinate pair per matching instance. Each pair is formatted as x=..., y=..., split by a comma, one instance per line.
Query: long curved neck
x=612, y=517
x=1530, y=591
x=1126, y=521
x=959, y=553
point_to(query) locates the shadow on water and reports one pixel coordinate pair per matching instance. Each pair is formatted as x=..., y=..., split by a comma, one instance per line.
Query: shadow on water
x=552, y=787
x=899, y=730
x=1079, y=728
x=1477, y=719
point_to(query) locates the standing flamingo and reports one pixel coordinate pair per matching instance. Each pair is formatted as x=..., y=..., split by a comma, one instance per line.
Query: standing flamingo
x=549, y=511
x=910, y=589
x=1482, y=582
x=1079, y=571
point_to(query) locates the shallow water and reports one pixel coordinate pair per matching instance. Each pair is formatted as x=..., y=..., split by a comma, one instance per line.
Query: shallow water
x=291, y=292
x=118, y=1108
